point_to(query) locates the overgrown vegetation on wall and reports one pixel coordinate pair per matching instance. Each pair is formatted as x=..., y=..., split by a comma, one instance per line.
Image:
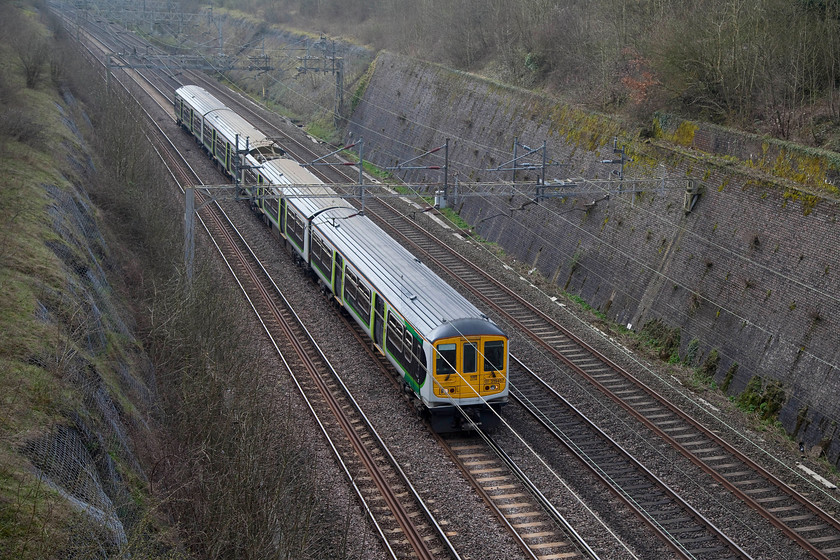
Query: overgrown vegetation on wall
x=74, y=386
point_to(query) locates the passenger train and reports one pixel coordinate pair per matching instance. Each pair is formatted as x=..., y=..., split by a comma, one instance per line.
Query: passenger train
x=451, y=356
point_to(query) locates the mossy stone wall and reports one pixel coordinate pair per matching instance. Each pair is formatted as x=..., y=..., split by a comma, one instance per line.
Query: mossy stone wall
x=751, y=271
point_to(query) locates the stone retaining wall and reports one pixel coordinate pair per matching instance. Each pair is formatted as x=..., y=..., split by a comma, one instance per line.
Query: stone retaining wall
x=752, y=271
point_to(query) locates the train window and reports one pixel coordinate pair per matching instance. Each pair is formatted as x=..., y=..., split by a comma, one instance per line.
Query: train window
x=300, y=226
x=494, y=355
x=269, y=205
x=363, y=298
x=446, y=356
x=418, y=350
x=395, y=333
x=357, y=294
x=470, y=355
x=350, y=287
x=294, y=227
x=408, y=339
x=321, y=256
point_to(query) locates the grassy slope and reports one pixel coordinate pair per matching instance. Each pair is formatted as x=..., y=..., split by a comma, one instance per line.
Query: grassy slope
x=36, y=346
x=31, y=396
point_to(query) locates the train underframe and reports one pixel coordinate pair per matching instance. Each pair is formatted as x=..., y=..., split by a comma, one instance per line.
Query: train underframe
x=448, y=419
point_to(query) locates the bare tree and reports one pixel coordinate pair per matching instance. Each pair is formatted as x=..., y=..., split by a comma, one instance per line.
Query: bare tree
x=32, y=50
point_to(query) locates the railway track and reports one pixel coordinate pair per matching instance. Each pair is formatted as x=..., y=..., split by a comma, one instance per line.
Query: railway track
x=541, y=532
x=807, y=525
x=811, y=528
x=814, y=530
x=514, y=499
x=407, y=528
x=677, y=523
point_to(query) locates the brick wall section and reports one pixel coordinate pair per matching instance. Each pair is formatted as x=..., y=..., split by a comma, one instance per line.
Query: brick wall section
x=751, y=272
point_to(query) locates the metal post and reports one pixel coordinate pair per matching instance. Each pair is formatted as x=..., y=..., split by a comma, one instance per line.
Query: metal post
x=362, y=176
x=245, y=153
x=621, y=168
x=189, y=228
x=236, y=162
x=515, y=144
x=339, y=89
x=455, y=195
x=542, y=177
x=444, y=202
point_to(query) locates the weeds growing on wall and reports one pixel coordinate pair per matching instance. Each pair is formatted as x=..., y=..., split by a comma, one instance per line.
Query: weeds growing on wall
x=664, y=340
x=765, y=399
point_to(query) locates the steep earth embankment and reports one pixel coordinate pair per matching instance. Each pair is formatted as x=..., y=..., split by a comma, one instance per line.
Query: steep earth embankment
x=76, y=389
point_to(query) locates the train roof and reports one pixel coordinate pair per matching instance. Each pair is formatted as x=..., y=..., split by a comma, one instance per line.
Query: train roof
x=285, y=171
x=432, y=306
x=226, y=122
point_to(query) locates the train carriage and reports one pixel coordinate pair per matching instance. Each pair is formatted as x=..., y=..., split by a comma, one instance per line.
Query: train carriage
x=449, y=354
x=221, y=131
x=447, y=351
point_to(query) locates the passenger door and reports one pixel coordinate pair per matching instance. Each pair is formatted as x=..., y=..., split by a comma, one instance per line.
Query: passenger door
x=379, y=322
x=338, y=281
x=283, y=217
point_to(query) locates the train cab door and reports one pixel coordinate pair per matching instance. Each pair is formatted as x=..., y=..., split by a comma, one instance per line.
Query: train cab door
x=470, y=361
x=339, y=277
x=379, y=322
